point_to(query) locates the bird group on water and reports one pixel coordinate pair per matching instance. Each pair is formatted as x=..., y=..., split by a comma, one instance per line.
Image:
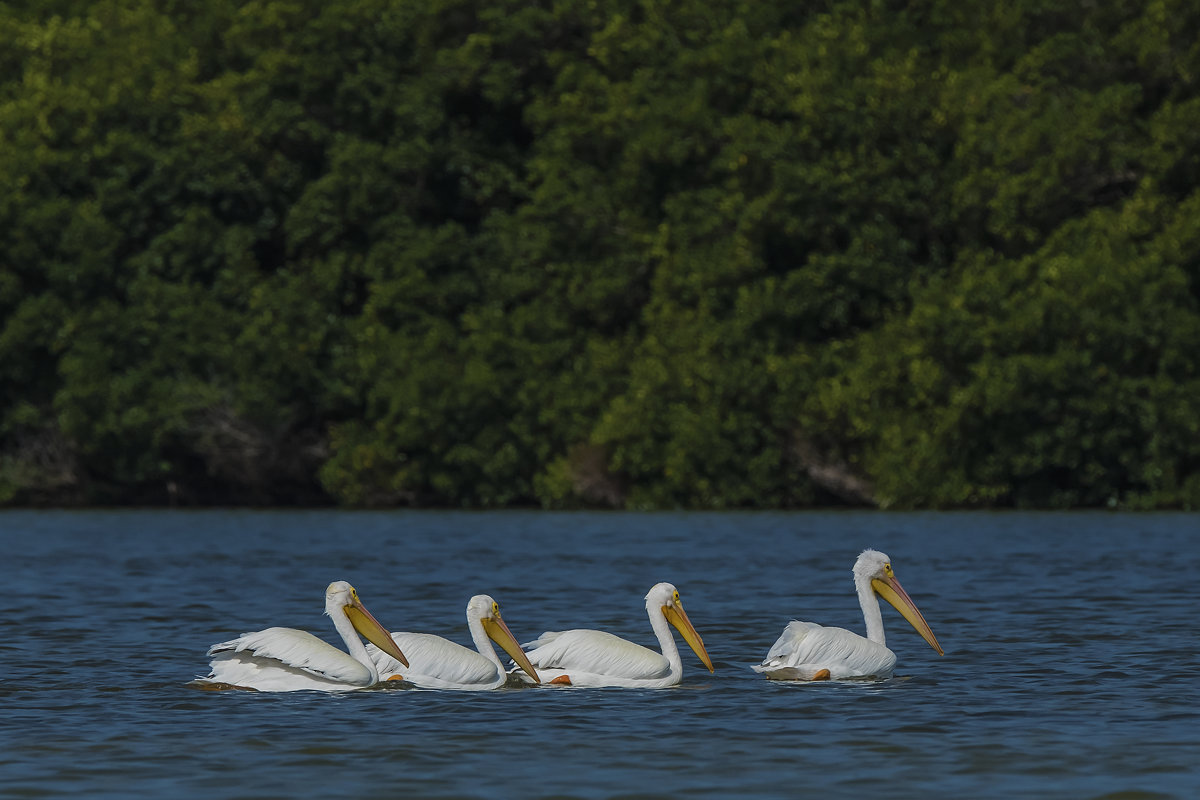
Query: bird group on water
x=287, y=659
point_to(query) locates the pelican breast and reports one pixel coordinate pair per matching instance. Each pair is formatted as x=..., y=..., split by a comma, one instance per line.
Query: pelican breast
x=581, y=651
x=255, y=658
x=435, y=662
x=805, y=648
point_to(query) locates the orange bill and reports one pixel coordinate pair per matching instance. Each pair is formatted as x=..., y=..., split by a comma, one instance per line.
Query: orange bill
x=679, y=618
x=890, y=589
x=372, y=631
x=499, y=633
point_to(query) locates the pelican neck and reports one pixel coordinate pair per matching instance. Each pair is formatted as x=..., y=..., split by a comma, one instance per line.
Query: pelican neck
x=666, y=641
x=870, y=608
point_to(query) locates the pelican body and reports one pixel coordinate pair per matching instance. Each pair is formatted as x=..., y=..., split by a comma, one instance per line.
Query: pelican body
x=583, y=657
x=438, y=663
x=288, y=660
x=807, y=651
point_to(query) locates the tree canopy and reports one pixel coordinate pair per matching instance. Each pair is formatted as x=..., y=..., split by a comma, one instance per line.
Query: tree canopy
x=619, y=253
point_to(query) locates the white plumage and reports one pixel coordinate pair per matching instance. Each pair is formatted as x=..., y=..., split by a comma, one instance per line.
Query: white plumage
x=288, y=660
x=584, y=657
x=438, y=663
x=807, y=651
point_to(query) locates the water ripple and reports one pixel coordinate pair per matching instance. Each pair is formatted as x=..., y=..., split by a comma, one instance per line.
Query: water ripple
x=1053, y=683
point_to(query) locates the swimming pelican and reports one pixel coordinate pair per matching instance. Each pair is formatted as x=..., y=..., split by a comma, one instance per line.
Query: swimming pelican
x=437, y=663
x=596, y=658
x=810, y=652
x=287, y=660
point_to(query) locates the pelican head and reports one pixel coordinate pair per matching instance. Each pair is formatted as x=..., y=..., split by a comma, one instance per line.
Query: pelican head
x=666, y=597
x=340, y=597
x=483, y=608
x=875, y=568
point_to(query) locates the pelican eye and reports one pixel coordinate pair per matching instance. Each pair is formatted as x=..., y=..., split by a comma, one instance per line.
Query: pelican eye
x=675, y=597
x=887, y=568
x=496, y=608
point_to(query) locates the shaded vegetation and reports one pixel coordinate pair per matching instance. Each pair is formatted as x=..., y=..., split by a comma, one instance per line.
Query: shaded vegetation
x=617, y=253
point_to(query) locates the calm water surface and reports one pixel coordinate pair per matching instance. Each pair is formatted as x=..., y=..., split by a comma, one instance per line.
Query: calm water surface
x=1072, y=664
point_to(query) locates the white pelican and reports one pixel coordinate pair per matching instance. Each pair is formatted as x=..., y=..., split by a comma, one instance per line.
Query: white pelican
x=596, y=658
x=287, y=660
x=437, y=663
x=810, y=652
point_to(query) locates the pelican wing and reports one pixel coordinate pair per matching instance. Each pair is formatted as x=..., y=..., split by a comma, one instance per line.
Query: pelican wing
x=595, y=652
x=289, y=650
x=805, y=647
x=436, y=662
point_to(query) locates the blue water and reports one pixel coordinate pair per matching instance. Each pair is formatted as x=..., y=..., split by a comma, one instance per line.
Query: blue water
x=1072, y=664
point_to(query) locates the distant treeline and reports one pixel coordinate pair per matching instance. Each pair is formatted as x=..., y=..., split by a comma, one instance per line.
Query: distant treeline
x=628, y=253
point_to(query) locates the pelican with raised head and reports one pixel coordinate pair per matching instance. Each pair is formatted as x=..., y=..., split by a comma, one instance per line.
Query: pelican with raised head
x=438, y=663
x=807, y=651
x=287, y=660
x=596, y=658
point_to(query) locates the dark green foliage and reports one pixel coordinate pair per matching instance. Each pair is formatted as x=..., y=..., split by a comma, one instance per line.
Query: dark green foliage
x=617, y=253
